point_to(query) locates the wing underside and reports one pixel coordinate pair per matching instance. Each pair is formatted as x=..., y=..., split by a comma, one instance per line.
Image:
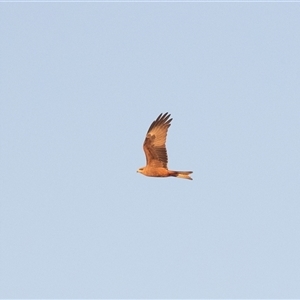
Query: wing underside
x=155, y=142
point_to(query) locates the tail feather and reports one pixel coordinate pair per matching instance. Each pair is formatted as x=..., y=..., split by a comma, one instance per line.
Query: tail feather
x=181, y=174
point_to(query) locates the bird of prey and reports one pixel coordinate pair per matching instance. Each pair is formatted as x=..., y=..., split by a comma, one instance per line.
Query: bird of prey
x=156, y=152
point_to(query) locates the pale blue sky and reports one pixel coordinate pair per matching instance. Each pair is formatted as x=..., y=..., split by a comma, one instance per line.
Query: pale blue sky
x=80, y=85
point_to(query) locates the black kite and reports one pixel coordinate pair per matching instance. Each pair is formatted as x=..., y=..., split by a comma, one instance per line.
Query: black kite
x=156, y=152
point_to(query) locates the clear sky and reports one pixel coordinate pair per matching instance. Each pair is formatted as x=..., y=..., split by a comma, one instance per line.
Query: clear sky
x=80, y=85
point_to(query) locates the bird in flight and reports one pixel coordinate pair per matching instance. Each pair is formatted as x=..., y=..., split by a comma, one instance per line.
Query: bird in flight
x=156, y=152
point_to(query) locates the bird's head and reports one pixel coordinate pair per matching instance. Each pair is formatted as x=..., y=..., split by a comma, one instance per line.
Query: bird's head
x=140, y=170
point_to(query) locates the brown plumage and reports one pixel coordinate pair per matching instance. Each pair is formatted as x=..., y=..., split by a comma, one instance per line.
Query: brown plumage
x=156, y=152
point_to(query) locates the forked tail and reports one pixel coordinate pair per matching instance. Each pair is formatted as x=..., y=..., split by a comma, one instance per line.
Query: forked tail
x=181, y=174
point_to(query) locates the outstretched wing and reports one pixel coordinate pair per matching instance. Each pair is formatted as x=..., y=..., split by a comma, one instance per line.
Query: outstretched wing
x=155, y=142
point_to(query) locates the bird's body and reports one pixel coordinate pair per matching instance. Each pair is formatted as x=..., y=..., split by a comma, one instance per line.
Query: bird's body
x=156, y=152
